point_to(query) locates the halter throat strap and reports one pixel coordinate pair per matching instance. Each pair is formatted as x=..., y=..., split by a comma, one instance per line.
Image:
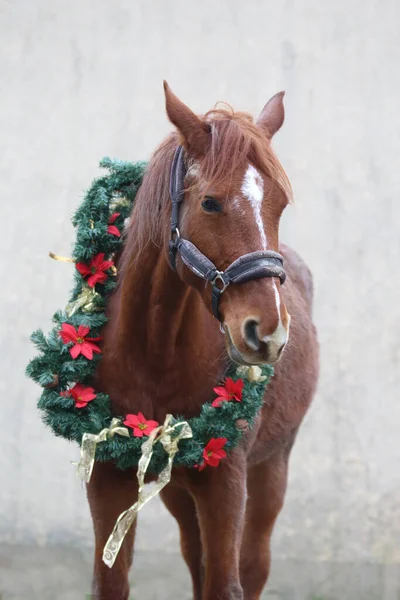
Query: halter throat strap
x=254, y=265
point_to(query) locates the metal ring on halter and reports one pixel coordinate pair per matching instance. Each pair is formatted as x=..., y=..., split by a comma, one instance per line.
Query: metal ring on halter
x=173, y=245
x=175, y=235
x=219, y=277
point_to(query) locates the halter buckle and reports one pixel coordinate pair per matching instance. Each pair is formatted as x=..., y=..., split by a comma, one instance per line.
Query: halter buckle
x=219, y=278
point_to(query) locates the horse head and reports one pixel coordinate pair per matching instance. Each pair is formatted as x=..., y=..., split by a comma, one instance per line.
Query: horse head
x=235, y=191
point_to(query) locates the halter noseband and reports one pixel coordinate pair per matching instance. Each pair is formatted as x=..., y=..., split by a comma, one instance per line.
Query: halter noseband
x=254, y=265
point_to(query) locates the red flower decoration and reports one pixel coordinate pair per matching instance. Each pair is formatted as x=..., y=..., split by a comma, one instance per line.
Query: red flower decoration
x=112, y=228
x=81, y=394
x=140, y=425
x=82, y=344
x=213, y=453
x=95, y=270
x=231, y=390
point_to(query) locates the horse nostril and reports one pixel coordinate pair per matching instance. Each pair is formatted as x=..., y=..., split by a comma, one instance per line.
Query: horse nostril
x=250, y=334
x=281, y=349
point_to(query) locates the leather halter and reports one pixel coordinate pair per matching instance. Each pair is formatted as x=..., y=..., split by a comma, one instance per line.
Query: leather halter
x=254, y=265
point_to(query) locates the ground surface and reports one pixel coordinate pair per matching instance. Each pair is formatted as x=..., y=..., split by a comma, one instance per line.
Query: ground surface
x=64, y=574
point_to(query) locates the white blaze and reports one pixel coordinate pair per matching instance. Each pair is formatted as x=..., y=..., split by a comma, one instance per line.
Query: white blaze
x=280, y=335
x=277, y=300
x=253, y=190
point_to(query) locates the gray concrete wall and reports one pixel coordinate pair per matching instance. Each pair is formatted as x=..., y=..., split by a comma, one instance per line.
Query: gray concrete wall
x=83, y=79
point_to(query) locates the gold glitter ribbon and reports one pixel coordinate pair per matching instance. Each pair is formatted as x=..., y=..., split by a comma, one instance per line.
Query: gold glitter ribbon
x=60, y=258
x=84, y=467
x=253, y=373
x=121, y=202
x=163, y=435
x=85, y=301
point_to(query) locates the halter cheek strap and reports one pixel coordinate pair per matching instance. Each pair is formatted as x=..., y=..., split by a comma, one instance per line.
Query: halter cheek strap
x=177, y=192
x=254, y=265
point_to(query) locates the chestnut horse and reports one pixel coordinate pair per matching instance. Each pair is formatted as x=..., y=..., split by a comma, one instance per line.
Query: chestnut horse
x=164, y=351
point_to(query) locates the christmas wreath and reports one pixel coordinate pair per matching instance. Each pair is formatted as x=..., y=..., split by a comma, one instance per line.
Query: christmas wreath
x=69, y=355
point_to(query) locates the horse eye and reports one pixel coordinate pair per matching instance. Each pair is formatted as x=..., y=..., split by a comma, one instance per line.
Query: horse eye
x=210, y=204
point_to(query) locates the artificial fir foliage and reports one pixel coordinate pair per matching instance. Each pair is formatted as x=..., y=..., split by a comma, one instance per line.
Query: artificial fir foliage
x=69, y=355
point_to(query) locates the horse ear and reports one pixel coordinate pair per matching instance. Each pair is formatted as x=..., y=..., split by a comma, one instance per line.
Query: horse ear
x=195, y=133
x=272, y=115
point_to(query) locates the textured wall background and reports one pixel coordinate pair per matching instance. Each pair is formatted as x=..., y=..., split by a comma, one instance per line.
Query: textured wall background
x=81, y=79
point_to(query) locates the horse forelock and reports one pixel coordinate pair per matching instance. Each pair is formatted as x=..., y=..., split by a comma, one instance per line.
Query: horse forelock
x=235, y=141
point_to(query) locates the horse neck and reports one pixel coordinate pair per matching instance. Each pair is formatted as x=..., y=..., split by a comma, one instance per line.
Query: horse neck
x=163, y=351
x=155, y=310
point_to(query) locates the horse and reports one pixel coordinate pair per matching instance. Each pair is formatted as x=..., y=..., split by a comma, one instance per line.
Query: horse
x=164, y=350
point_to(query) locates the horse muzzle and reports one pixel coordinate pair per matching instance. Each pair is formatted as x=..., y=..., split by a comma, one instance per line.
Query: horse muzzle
x=251, y=348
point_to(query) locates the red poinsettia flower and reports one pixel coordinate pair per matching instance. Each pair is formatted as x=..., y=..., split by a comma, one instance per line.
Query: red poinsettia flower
x=81, y=394
x=95, y=270
x=140, y=425
x=213, y=453
x=113, y=229
x=231, y=390
x=81, y=344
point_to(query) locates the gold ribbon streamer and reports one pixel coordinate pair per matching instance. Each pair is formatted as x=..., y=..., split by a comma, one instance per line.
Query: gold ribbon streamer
x=84, y=467
x=160, y=434
x=60, y=258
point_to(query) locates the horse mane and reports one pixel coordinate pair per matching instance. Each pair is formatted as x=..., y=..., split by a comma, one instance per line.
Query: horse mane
x=235, y=138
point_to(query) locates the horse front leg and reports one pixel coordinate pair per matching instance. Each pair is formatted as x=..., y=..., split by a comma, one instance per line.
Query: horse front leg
x=266, y=485
x=181, y=505
x=110, y=492
x=220, y=497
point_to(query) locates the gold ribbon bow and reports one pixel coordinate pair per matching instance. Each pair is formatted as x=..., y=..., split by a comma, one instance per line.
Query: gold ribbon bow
x=85, y=301
x=84, y=467
x=253, y=373
x=120, y=202
x=160, y=434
